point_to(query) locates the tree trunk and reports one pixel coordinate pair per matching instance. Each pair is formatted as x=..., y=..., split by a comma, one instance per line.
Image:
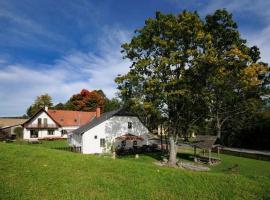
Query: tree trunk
x=172, y=158
x=218, y=128
x=219, y=132
x=161, y=140
x=166, y=140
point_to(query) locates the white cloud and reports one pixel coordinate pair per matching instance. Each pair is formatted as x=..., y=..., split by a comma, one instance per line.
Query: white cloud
x=20, y=84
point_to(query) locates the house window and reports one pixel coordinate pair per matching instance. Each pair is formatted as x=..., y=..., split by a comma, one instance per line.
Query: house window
x=102, y=142
x=95, y=137
x=135, y=143
x=39, y=121
x=45, y=121
x=123, y=143
x=33, y=133
x=63, y=132
x=50, y=132
x=129, y=125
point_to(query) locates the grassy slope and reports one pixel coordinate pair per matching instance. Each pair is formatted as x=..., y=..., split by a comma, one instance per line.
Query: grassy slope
x=35, y=172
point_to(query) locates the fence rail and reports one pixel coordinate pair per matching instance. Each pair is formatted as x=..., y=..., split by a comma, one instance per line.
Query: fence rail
x=72, y=149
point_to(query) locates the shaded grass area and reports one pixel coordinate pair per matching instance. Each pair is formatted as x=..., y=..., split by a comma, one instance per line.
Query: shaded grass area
x=232, y=164
x=34, y=172
x=44, y=143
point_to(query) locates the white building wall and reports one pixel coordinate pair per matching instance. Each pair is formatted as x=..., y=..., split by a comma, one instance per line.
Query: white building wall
x=75, y=140
x=42, y=115
x=42, y=133
x=69, y=129
x=109, y=130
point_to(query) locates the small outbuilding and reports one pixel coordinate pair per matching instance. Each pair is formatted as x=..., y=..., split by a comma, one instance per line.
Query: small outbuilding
x=206, y=143
x=115, y=129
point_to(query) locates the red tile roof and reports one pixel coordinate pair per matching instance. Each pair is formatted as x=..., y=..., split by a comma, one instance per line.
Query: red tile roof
x=71, y=118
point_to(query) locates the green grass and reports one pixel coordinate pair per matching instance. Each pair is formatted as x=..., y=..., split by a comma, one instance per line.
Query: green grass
x=44, y=143
x=40, y=172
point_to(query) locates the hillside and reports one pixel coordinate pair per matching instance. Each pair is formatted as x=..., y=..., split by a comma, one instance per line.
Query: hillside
x=38, y=172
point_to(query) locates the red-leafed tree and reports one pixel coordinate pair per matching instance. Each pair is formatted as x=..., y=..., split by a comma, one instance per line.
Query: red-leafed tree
x=86, y=101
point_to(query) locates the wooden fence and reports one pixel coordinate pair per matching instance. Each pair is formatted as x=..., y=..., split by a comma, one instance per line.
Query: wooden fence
x=72, y=149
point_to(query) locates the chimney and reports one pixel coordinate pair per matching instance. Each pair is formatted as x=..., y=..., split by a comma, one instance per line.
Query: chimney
x=98, y=112
x=46, y=108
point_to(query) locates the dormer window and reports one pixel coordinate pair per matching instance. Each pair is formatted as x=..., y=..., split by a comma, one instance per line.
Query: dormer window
x=39, y=121
x=75, y=120
x=45, y=121
x=129, y=125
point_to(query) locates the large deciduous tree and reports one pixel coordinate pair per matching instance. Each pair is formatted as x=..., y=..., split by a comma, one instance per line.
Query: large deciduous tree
x=86, y=101
x=232, y=81
x=163, y=55
x=191, y=71
x=40, y=102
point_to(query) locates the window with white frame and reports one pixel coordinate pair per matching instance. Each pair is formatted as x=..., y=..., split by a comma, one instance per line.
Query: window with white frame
x=50, y=132
x=63, y=132
x=102, y=142
x=33, y=133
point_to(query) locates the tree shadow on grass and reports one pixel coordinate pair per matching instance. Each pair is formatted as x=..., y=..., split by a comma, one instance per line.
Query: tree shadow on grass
x=155, y=155
x=185, y=156
x=161, y=155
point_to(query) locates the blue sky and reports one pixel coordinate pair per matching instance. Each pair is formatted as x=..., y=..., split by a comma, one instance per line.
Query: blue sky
x=60, y=47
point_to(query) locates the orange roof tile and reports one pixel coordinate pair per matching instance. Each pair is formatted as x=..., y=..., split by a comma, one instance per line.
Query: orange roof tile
x=71, y=118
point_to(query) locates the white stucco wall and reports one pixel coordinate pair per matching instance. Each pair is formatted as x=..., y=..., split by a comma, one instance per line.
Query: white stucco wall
x=42, y=133
x=69, y=129
x=109, y=130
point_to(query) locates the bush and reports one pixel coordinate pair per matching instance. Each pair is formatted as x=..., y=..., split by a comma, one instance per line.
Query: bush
x=19, y=132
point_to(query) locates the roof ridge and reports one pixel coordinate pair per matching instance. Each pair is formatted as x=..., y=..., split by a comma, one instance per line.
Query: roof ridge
x=96, y=121
x=72, y=111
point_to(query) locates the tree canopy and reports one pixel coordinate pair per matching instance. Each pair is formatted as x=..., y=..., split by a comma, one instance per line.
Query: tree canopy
x=192, y=72
x=40, y=102
x=84, y=101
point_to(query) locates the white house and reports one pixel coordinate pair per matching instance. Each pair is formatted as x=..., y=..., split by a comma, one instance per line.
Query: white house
x=118, y=128
x=54, y=124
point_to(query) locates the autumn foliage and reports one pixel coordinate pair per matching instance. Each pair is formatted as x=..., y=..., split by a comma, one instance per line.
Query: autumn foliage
x=86, y=101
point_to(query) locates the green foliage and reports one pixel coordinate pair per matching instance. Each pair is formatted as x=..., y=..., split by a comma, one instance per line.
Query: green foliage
x=83, y=101
x=255, y=133
x=40, y=102
x=87, y=176
x=193, y=72
x=162, y=54
x=60, y=106
x=19, y=132
x=111, y=104
x=89, y=101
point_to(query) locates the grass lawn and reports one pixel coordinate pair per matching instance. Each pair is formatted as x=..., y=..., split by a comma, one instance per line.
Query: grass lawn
x=38, y=171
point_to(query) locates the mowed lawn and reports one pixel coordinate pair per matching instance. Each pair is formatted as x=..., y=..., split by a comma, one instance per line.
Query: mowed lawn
x=41, y=172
